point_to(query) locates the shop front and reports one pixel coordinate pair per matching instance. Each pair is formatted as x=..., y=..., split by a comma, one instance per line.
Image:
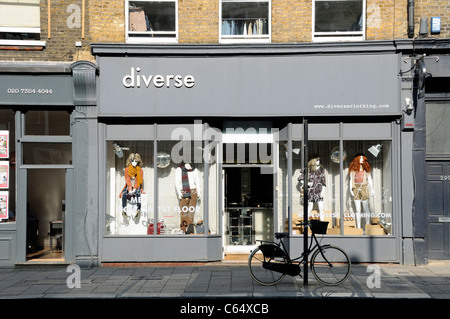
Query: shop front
x=201, y=149
x=36, y=102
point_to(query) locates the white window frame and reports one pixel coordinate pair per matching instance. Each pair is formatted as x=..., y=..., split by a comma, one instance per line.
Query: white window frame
x=29, y=43
x=266, y=38
x=149, y=38
x=338, y=36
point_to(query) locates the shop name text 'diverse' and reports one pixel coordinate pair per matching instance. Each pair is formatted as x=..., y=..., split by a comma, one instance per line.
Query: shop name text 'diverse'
x=137, y=80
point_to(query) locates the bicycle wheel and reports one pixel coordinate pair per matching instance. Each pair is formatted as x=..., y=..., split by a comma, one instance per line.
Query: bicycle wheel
x=261, y=275
x=330, y=265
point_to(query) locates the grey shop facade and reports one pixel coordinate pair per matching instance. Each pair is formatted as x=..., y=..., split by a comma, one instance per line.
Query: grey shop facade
x=235, y=116
x=226, y=125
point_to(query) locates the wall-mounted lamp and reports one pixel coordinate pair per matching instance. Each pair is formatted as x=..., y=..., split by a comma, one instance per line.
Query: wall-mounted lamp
x=375, y=149
x=119, y=150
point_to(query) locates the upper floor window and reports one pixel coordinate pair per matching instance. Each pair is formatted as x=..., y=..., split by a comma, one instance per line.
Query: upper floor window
x=152, y=21
x=339, y=20
x=245, y=20
x=20, y=22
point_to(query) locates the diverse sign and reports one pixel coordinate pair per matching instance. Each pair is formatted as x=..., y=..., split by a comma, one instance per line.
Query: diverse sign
x=260, y=85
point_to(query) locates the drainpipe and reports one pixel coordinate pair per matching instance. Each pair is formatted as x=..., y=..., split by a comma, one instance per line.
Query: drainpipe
x=410, y=18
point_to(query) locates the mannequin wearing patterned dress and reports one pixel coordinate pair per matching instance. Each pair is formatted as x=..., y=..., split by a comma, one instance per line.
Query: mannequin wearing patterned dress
x=316, y=185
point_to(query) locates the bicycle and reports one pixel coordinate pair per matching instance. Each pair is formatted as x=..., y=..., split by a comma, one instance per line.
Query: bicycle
x=270, y=262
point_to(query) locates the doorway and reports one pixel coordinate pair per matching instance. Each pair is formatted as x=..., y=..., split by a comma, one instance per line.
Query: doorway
x=46, y=194
x=248, y=201
x=438, y=207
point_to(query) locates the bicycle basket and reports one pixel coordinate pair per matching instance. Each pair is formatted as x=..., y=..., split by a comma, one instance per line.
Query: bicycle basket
x=318, y=227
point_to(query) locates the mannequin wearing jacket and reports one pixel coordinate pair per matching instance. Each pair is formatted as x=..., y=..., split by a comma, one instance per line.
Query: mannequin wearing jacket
x=361, y=186
x=134, y=179
x=187, y=186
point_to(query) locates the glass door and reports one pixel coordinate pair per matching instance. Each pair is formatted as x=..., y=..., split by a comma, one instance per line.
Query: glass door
x=248, y=206
x=46, y=194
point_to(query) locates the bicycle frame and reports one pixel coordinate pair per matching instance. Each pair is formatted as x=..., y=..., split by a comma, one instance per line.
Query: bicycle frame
x=301, y=258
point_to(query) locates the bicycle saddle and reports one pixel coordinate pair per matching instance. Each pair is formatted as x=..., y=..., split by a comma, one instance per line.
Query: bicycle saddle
x=281, y=235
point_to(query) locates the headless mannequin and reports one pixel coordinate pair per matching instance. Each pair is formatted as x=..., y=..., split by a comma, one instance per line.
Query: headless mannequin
x=359, y=191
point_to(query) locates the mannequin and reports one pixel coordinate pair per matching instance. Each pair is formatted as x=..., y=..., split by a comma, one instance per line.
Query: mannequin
x=134, y=179
x=316, y=185
x=188, y=191
x=361, y=187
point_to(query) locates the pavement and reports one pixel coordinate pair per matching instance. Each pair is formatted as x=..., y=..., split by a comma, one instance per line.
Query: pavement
x=194, y=283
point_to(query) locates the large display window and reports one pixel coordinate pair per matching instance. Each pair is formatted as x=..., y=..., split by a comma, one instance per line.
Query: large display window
x=349, y=182
x=130, y=178
x=368, y=188
x=156, y=187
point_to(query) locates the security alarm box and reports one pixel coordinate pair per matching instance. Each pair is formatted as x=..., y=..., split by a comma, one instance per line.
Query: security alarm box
x=408, y=122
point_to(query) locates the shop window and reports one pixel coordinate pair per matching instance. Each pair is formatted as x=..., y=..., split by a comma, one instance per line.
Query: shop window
x=437, y=129
x=7, y=167
x=20, y=22
x=354, y=197
x=323, y=181
x=367, y=188
x=47, y=123
x=152, y=21
x=179, y=196
x=338, y=20
x=130, y=177
x=180, y=188
x=247, y=21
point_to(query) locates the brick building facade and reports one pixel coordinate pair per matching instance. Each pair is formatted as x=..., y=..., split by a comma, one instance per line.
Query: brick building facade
x=66, y=22
x=85, y=83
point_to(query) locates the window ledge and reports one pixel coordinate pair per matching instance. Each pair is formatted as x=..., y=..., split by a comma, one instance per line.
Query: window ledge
x=26, y=45
x=152, y=41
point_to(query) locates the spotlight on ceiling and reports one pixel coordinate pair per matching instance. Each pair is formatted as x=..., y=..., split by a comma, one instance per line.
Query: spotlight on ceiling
x=375, y=149
x=119, y=150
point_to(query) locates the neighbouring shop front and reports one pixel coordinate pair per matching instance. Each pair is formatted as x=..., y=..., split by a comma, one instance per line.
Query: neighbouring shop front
x=200, y=149
x=36, y=160
x=37, y=165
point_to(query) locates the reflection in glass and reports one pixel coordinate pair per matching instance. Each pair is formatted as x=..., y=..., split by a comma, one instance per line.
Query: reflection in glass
x=152, y=18
x=333, y=16
x=47, y=123
x=47, y=153
x=437, y=119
